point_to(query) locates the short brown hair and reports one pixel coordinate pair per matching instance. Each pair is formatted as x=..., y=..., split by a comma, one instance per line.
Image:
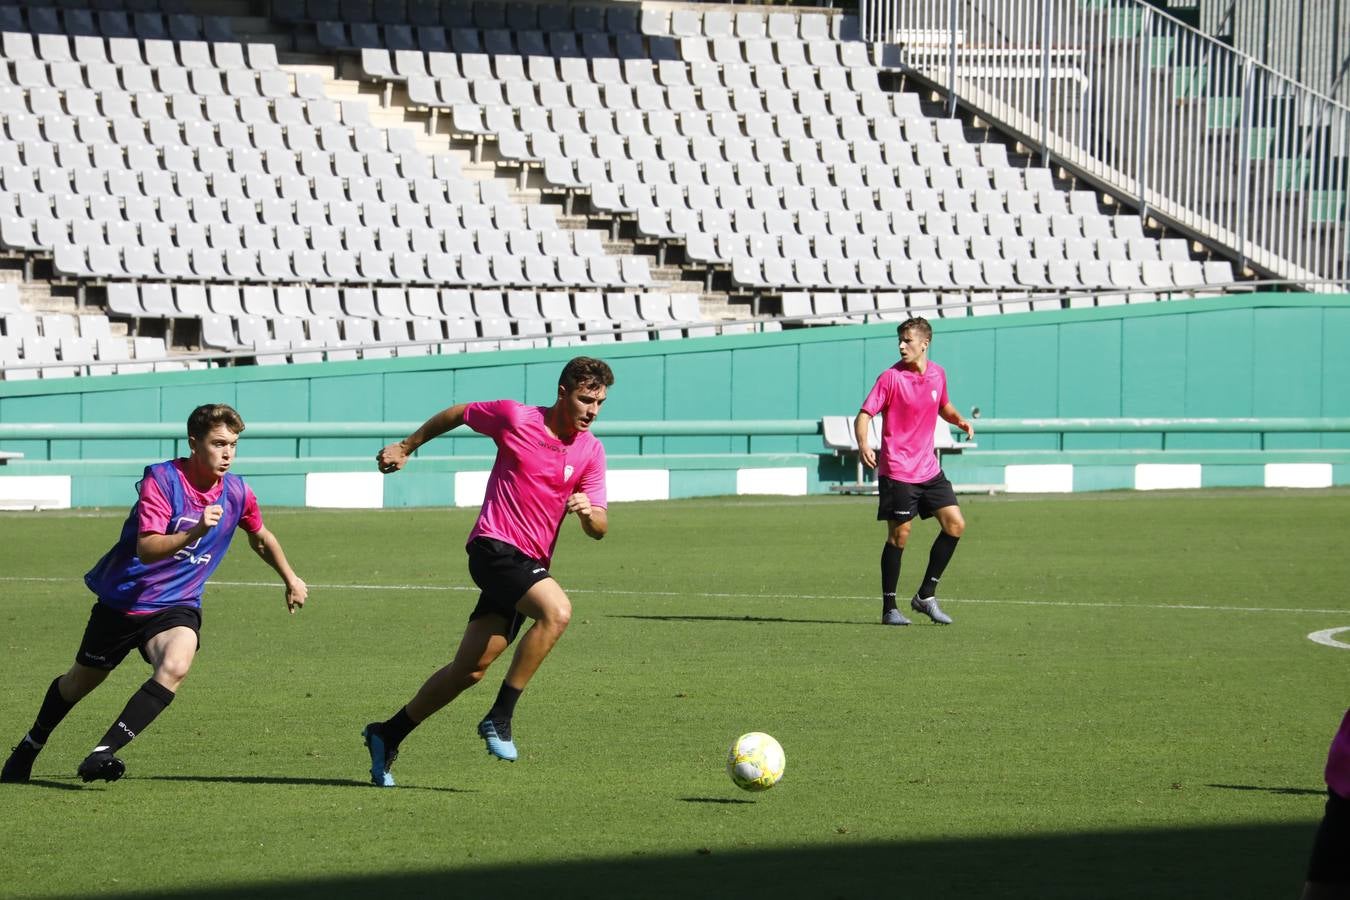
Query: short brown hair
x=585, y=371
x=916, y=323
x=209, y=415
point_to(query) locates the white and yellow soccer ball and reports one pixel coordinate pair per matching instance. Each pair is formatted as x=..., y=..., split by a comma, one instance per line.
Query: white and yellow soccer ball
x=756, y=761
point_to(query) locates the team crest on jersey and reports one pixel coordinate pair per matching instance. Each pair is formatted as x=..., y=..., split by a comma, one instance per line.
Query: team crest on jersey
x=567, y=472
x=934, y=396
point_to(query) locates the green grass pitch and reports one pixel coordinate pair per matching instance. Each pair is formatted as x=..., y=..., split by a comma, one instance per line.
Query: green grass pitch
x=1128, y=706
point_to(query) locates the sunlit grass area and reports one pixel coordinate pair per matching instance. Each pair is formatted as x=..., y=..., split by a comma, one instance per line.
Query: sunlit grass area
x=1128, y=705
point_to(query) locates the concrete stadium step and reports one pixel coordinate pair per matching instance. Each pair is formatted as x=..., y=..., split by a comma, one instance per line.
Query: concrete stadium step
x=39, y=296
x=387, y=106
x=342, y=89
x=478, y=159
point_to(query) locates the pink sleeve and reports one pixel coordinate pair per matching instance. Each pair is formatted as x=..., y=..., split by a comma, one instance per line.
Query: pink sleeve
x=876, y=398
x=592, y=482
x=251, y=519
x=943, y=400
x=489, y=418
x=153, y=510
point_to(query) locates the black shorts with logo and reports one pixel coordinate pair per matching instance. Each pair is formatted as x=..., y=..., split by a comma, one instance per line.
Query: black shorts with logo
x=503, y=575
x=900, y=501
x=111, y=633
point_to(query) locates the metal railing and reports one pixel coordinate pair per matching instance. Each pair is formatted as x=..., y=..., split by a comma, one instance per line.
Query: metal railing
x=1262, y=428
x=1307, y=40
x=1198, y=135
x=40, y=436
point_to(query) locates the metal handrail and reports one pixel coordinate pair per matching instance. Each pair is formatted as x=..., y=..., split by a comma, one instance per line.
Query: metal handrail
x=1308, y=40
x=742, y=431
x=1202, y=137
x=45, y=431
x=49, y=431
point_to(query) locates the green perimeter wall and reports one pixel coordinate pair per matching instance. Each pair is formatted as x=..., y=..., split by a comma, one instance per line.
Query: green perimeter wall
x=1261, y=355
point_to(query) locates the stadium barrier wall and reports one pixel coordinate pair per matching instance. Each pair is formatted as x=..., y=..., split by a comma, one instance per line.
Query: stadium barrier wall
x=740, y=414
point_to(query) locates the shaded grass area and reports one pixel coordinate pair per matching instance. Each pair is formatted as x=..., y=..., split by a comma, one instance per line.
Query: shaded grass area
x=1128, y=706
x=1164, y=863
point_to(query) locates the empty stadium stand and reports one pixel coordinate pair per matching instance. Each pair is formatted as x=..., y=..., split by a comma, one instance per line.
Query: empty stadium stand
x=765, y=147
x=487, y=175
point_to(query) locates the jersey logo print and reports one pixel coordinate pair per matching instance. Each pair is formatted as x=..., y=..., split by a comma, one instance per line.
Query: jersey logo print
x=181, y=524
x=934, y=396
x=567, y=472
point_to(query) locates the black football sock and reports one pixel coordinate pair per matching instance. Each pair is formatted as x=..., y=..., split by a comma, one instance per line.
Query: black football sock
x=397, y=727
x=53, y=710
x=890, y=574
x=149, y=701
x=505, y=706
x=944, y=545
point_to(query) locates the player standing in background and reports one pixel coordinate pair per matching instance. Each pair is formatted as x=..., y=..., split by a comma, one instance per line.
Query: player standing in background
x=1329, y=867
x=548, y=465
x=909, y=396
x=149, y=589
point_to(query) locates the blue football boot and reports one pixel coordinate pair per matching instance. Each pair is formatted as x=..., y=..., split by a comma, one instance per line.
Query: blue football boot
x=381, y=757
x=499, y=743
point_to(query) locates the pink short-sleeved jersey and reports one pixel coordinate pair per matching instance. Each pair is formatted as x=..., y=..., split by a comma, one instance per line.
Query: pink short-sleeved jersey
x=534, y=474
x=908, y=403
x=1338, y=760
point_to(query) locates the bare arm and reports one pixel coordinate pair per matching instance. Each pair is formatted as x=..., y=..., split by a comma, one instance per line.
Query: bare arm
x=862, y=426
x=268, y=548
x=950, y=415
x=594, y=519
x=152, y=547
x=395, y=456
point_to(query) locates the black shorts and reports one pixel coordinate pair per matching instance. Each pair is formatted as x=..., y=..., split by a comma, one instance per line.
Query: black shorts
x=503, y=574
x=1330, y=863
x=111, y=634
x=900, y=501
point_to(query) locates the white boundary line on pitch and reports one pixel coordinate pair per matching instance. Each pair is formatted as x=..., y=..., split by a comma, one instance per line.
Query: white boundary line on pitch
x=733, y=596
x=1327, y=638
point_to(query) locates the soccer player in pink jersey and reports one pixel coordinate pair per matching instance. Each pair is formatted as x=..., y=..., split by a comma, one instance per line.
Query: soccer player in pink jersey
x=909, y=396
x=149, y=588
x=548, y=465
x=1329, y=867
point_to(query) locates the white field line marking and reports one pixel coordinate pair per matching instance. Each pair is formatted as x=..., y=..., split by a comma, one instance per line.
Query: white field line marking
x=731, y=596
x=1327, y=638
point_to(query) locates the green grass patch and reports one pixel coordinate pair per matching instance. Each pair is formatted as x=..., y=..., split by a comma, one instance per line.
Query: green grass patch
x=1127, y=706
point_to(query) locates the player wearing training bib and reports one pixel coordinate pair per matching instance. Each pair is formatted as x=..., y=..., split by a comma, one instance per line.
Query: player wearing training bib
x=909, y=397
x=149, y=589
x=548, y=466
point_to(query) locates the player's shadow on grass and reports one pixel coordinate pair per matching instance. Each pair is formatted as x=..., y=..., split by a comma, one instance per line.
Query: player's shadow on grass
x=724, y=800
x=54, y=785
x=772, y=620
x=290, y=780
x=1288, y=791
x=1248, y=862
